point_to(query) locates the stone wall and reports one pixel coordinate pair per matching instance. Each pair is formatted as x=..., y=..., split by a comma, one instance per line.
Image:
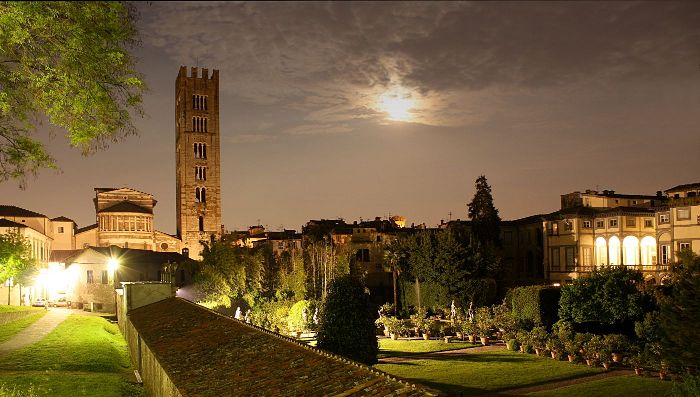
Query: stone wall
x=155, y=380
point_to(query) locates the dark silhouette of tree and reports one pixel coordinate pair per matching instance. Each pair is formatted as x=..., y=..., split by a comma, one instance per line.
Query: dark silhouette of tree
x=67, y=63
x=485, y=221
x=346, y=325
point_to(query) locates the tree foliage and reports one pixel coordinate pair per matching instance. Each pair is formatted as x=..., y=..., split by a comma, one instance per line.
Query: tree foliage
x=228, y=273
x=485, y=221
x=680, y=316
x=68, y=63
x=608, y=296
x=347, y=322
x=16, y=261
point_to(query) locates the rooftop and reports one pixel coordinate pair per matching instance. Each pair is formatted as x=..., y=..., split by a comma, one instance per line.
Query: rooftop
x=195, y=345
x=126, y=206
x=11, y=210
x=682, y=188
x=9, y=223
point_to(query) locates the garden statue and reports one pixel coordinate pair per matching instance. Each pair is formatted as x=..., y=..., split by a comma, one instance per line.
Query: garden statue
x=316, y=316
x=470, y=313
x=453, y=311
x=247, y=316
x=238, y=313
x=304, y=315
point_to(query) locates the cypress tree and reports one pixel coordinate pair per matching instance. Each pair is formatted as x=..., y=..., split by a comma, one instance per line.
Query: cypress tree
x=347, y=325
x=486, y=222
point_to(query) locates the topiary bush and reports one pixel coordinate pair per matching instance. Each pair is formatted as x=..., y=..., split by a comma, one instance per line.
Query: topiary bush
x=347, y=322
x=534, y=305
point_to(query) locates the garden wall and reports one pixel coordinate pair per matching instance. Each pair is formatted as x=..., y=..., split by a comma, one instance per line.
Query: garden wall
x=155, y=380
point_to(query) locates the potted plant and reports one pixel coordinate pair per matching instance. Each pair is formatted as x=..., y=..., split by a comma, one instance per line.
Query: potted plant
x=523, y=338
x=419, y=320
x=591, y=348
x=617, y=344
x=512, y=344
x=571, y=347
x=635, y=361
x=555, y=347
x=429, y=325
x=469, y=329
x=484, y=324
x=538, y=339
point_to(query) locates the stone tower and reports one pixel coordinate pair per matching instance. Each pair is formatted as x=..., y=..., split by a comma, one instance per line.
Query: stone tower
x=197, y=167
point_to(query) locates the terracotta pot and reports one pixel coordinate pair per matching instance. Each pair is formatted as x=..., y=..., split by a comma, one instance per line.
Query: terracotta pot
x=394, y=337
x=662, y=375
x=606, y=365
x=447, y=339
x=638, y=371
x=572, y=358
x=484, y=340
x=617, y=357
x=298, y=334
x=538, y=351
x=386, y=331
x=426, y=336
x=472, y=338
x=554, y=355
x=588, y=362
x=522, y=349
x=460, y=335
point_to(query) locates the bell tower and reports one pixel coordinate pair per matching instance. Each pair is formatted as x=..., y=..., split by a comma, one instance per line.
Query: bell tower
x=197, y=158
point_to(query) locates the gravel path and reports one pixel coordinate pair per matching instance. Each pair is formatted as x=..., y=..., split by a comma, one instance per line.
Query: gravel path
x=456, y=352
x=35, y=332
x=561, y=383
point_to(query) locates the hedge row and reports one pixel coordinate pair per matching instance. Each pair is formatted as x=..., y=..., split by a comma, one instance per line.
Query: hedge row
x=534, y=305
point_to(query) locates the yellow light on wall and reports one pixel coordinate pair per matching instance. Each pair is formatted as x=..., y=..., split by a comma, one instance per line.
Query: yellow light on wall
x=112, y=265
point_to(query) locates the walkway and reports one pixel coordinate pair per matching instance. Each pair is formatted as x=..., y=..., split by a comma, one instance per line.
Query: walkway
x=36, y=331
x=429, y=355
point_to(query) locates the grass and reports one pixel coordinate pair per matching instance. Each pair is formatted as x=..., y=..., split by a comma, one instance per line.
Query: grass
x=83, y=356
x=473, y=374
x=9, y=330
x=11, y=309
x=612, y=387
x=403, y=347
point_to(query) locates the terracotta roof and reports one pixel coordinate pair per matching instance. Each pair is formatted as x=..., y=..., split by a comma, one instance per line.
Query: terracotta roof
x=11, y=210
x=680, y=188
x=61, y=255
x=139, y=257
x=86, y=228
x=62, y=219
x=9, y=223
x=195, y=346
x=126, y=206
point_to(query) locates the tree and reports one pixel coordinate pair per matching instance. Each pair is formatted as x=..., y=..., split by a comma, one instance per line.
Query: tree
x=607, y=296
x=68, y=63
x=16, y=261
x=485, y=221
x=680, y=315
x=228, y=273
x=346, y=325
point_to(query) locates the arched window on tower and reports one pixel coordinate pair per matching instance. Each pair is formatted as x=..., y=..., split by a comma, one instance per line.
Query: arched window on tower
x=201, y=223
x=203, y=195
x=197, y=195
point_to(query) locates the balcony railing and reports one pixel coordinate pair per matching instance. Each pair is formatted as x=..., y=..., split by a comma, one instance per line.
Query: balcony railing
x=588, y=269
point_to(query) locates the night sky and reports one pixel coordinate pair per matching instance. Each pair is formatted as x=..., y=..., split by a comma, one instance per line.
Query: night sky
x=358, y=110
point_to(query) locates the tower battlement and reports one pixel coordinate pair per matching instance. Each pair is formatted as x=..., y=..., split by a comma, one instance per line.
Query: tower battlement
x=194, y=73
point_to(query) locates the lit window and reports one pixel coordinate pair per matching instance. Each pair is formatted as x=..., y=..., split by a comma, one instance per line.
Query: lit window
x=105, y=277
x=665, y=250
x=90, y=279
x=586, y=224
x=664, y=218
x=60, y=229
x=648, y=223
x=683, y=214
x=683, y=246
x=599, y=224
x=612, y=223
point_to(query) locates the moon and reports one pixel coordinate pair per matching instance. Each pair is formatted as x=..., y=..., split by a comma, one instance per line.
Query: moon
x=397, y=103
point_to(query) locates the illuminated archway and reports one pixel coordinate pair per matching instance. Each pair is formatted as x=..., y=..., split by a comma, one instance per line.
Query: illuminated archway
x=614, y=251
x=630, y=251
x=601, y=251
x=648, y=248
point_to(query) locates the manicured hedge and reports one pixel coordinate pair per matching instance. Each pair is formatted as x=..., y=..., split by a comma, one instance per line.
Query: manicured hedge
x=432, y=295
x=534, y=305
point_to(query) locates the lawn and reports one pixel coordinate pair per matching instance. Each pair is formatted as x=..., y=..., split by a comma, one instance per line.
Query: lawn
x=407, y=347
x=82, y=351
x=8, y=330
x=613, y=387
x=473, y=374
x=11, y=309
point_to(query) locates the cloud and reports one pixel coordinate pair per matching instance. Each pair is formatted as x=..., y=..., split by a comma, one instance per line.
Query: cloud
x=331, y=61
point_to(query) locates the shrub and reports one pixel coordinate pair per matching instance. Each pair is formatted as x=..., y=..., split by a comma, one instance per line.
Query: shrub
x=538, y=337
x=432, y=295
x=607, y=296
x=347, y=325
x=503, y=319
x=534, y=305
x=484, y=321
x=295, y=319
x=554, y=344
x=513, y=345
x=419, y=319
x=690, y=387
x=593, y=346
x=616, y=343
